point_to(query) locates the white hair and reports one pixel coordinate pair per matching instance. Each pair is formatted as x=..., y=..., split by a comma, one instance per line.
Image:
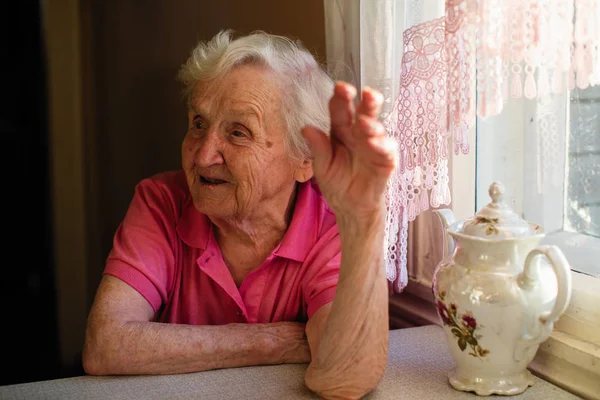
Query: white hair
x=307, y=86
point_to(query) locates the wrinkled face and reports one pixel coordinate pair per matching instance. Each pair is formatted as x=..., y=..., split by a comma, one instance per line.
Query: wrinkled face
x=233, y=153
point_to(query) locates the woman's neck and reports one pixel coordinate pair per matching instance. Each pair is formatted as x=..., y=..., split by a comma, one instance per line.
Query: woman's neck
x=246, y=242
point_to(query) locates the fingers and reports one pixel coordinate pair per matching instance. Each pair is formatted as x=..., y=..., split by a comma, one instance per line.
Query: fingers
x=341, y=109
x=372, y=142
x=345, y=119
x=370, y=103
x=380, y=152
x=341, y=106
x=383, y=152
x=366, y=127
x=360, y=129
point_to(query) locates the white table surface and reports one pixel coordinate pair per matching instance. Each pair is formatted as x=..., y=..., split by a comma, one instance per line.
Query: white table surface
x=418, y=363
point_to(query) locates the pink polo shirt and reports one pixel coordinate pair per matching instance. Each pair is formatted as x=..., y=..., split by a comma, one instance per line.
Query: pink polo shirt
x=166, y=250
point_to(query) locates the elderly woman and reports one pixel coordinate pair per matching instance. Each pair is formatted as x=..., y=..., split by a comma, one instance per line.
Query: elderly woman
x=267, y=247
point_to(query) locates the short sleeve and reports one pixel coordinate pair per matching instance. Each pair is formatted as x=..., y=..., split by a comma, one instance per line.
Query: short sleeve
x=321, y=279
x=143, y=252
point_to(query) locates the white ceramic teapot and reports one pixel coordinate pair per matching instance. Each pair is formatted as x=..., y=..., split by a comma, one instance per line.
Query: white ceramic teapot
x=498, y=295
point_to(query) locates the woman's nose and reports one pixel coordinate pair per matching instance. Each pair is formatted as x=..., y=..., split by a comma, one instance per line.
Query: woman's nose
x=209, y=151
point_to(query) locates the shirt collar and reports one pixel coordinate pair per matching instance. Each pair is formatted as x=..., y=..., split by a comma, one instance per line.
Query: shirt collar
x=302, y=233
x=195, y=228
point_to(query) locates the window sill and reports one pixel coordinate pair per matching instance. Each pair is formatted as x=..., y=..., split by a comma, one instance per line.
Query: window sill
x=564, y=359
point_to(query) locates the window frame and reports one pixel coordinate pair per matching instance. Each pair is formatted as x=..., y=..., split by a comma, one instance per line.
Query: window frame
x=518, y=125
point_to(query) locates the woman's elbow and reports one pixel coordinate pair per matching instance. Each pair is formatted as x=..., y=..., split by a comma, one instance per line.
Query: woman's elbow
x=351, y=383
x=92, y=363
x=96, y=357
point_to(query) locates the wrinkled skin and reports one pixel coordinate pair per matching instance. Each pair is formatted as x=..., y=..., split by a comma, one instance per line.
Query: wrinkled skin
x=236, y=134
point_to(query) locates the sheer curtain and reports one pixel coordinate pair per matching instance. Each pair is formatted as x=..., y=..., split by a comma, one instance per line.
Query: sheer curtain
x=366, y=42
x=441, y=63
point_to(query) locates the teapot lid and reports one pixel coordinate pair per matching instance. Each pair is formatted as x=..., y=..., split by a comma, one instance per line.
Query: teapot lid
x=497, y=220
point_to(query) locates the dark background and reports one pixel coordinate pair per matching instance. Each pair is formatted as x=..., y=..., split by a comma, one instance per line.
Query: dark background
x=27, y=288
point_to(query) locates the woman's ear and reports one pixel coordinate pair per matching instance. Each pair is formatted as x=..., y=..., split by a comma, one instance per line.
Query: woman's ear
x=304, y=171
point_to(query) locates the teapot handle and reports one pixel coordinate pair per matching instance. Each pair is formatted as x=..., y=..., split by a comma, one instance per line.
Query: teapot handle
x=562, y=270
x=447, y=217
x=542, y=328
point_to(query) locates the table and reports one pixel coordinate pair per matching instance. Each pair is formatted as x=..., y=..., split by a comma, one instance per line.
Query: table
x=418, y=363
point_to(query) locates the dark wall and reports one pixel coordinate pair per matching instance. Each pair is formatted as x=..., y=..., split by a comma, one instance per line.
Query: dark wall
x=29, y=339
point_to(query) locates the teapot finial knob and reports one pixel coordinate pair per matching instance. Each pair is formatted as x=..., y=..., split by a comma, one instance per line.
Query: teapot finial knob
x=496, y=192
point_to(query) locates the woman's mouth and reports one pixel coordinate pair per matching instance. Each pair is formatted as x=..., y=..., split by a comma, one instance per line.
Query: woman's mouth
x=211, y=181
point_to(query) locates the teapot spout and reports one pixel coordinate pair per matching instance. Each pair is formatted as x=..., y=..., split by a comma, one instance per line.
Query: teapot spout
x=447, y=217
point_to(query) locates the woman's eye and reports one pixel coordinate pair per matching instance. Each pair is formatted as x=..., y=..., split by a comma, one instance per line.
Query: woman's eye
x=198, y=125
x=238, y=134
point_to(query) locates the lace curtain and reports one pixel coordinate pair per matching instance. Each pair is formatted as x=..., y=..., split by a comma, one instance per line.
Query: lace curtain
x=432, y=59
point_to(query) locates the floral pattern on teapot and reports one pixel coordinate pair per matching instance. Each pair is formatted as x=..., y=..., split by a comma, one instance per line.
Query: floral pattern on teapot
x=464, y=331
x=491, y=224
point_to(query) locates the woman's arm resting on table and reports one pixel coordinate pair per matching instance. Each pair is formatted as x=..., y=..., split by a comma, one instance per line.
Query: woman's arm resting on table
x=349, y=337
x=122, y=340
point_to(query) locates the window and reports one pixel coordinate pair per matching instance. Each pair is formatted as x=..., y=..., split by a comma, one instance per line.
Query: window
x=547, y=154
x=583, y=164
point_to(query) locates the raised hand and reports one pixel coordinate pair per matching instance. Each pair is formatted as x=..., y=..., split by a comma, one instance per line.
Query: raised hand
x=352, y=164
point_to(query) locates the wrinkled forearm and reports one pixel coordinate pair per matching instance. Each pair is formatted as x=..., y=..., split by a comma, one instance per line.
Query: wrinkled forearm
x=156, y=348
x=352, y=352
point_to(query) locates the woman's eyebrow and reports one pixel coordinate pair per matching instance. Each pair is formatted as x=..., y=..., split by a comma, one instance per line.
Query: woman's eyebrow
x=236, y=112
x=195, y=111
x=245, y=114
x=247, y=117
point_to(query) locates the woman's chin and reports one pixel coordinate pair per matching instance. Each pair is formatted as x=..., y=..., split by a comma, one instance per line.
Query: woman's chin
x=214, y=207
